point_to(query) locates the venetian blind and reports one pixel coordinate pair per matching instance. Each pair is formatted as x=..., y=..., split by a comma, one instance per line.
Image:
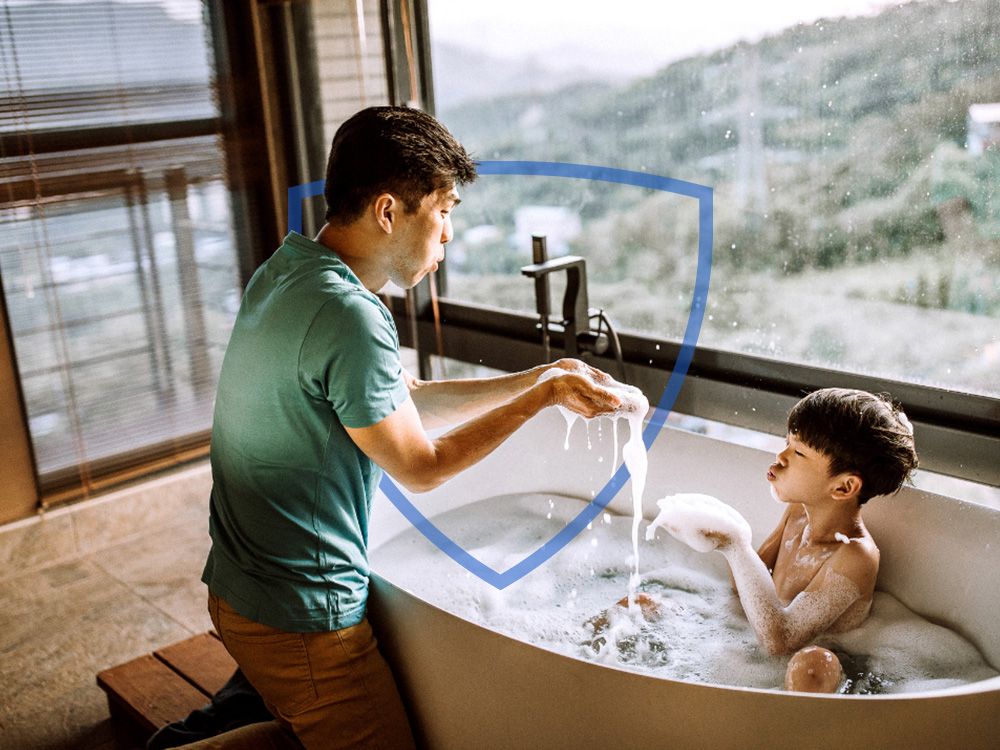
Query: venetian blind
x=117, y=254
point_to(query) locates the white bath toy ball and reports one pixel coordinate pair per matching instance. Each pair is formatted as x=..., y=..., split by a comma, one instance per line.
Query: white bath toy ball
x=687, y=515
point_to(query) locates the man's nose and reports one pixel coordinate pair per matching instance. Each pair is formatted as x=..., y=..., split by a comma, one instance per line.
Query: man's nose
x=447, y=232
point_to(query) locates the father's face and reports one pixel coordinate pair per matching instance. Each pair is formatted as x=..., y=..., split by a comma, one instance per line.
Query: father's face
x=419, y=237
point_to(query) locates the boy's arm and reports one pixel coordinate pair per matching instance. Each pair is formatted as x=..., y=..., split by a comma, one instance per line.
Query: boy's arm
x=768, y=551
x=784, y=629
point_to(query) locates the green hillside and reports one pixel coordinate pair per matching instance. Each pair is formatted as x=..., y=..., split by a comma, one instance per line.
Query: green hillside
x=850, y=112
x=837, y=151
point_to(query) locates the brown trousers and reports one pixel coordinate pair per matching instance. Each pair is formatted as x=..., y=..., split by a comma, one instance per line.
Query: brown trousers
x=326, y=690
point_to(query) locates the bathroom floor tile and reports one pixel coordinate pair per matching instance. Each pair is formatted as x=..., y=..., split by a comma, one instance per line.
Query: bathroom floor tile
x=63, y=623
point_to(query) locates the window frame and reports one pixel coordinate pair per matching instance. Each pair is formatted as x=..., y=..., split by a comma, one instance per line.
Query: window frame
x=957, y=433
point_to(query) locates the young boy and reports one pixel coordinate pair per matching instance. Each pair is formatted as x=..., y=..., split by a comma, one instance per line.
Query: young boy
x=816, y=572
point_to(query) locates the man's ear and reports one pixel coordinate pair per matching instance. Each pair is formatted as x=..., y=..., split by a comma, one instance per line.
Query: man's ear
x=385, y=208
x=847, y=486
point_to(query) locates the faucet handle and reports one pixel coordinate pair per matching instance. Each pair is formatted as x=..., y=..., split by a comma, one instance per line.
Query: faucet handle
x=592, y=341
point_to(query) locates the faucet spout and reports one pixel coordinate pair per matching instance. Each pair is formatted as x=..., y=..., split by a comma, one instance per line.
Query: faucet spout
x=576, y=313
x=575, y=310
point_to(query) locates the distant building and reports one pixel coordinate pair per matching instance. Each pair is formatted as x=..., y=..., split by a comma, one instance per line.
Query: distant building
x=473, y=238
x=559, y=224
x=982, y=127
x=482, y=234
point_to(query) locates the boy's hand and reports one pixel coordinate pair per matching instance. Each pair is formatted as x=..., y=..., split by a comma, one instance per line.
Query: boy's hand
x=719, y=540
x=702, y=522
x=700, y=540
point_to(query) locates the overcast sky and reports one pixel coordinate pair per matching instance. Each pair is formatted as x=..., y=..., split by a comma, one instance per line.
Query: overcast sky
x=633, y=36
x=628, y=36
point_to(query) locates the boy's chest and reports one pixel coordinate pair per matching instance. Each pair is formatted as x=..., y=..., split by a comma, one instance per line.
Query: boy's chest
x=797, y=563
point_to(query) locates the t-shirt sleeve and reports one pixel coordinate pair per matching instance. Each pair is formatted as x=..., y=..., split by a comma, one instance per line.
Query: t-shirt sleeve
x=350, y=358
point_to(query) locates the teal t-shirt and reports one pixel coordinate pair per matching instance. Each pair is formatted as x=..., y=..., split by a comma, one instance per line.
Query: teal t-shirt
x=312, y=351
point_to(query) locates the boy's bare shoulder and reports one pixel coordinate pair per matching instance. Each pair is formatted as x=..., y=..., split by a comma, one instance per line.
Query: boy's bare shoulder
x=857, y=559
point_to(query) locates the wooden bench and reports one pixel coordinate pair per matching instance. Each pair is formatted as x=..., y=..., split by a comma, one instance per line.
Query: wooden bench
x=149, y=692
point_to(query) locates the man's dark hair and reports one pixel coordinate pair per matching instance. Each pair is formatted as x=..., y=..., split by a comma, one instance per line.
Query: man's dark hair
x=394, y=150
x=861, y=433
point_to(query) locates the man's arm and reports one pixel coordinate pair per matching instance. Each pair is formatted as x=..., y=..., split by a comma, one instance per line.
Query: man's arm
x=783, y=629
x=442, y=403
x=400, y=445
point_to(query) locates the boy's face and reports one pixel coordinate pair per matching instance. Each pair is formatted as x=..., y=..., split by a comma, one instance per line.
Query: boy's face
x=800, y=474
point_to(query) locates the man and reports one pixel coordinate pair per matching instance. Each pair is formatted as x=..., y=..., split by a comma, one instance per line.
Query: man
x=313, y=403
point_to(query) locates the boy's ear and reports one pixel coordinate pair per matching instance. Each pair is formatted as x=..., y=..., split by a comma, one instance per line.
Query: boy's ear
x=846, y=486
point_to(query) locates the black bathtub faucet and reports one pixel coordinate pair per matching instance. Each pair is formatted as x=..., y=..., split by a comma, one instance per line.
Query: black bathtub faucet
x=575, y=326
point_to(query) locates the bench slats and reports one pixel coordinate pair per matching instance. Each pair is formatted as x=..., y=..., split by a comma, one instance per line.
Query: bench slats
x=149, y=693
x=202, y=660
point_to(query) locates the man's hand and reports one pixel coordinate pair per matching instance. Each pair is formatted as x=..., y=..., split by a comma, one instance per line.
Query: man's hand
x=582, y=389
x=581, y=368
x=581, y=395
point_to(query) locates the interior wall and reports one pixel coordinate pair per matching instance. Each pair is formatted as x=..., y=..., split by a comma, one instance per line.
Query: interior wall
x=18, y=489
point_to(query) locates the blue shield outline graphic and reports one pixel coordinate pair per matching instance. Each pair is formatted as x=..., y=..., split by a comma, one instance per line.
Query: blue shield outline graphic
x=699, y=300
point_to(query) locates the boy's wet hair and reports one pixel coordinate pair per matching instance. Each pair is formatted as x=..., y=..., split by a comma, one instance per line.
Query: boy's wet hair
x=394, y=150
x=861, y=433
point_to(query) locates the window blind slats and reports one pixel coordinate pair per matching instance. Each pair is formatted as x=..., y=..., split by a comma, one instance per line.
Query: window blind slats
x=119, y=265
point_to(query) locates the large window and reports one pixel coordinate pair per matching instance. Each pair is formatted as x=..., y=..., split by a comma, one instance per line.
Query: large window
x=118, y=254
x=853, y=146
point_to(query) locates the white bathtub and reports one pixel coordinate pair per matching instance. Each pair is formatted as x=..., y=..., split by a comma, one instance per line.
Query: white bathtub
x=469, y=687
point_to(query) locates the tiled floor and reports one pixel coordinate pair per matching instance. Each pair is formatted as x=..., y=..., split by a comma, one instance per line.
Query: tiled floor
x=117, y=589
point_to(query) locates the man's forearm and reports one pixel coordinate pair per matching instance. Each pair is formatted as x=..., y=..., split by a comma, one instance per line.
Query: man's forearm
x=448, y=402
x=475, y=439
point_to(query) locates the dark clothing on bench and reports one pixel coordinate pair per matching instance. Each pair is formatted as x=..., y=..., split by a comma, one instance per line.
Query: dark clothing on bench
x=235, y=705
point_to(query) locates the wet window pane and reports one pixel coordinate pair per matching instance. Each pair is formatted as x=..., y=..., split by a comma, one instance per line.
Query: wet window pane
x=853, y=149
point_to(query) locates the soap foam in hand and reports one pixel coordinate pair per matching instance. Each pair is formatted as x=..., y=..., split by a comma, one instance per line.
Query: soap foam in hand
x=687, y=515
x=633, y=400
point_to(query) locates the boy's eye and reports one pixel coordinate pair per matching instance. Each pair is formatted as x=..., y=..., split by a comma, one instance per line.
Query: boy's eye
x=800, y=453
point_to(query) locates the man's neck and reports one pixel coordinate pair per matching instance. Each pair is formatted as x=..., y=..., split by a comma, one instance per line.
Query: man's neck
x=350, y=243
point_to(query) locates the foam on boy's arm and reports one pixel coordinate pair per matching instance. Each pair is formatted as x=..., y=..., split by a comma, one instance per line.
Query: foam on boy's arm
x=699, y=520
x=780, y=628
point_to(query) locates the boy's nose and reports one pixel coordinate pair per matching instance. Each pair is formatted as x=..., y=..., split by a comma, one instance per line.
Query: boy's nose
x=447, y=233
